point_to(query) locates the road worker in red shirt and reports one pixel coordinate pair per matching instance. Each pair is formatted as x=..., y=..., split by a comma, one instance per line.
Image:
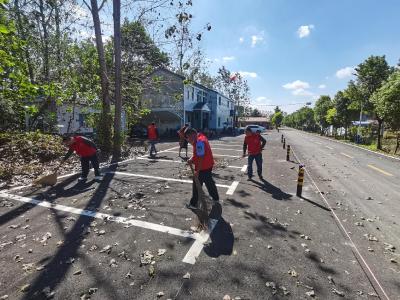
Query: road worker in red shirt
x=87, y=151
x=152, y=135
x=203, y=161
x=254, y=143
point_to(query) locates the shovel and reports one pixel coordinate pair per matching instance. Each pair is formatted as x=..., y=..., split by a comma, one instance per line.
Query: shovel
x=202, y=211
x=50, y=179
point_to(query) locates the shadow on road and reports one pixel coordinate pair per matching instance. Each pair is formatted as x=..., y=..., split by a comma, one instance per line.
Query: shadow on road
x=276, y=192
x=315, y=203
x=20, y=210
x=57, y=268
x=222, y=240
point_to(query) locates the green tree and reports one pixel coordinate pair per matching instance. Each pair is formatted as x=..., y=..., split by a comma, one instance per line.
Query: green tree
x=387, y=103
x=277, y=119
x=255, y=113
x=323, y=104
x=332, y=119
x=344, y=111
x=371, y=74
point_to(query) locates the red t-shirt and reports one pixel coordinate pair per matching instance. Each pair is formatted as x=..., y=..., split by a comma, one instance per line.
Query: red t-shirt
x=81, y=148
x=253, y=142
x=202, y=148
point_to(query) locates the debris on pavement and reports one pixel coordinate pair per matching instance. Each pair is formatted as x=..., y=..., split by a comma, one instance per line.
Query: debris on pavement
x=310, y=293
x=25, y=288
x=161, y=252
x=146, y=258
x=160, y=294
x=370, y=237
x=186, y=276
x=337, y=292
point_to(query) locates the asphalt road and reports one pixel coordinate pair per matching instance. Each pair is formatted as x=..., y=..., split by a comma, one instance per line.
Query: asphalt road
x=128, y=237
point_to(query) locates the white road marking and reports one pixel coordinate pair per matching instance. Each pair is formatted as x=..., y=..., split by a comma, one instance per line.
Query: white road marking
x=237, y=156
x=97, y=215
x=226, y=144
x=346, y=155
x=244, y=168
x=329, y=147
x=214, y=148
x=177, y=161
x=380, y=170
x=197, y=246
x=232, y=188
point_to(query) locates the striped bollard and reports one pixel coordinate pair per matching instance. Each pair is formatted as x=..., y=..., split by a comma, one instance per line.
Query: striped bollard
x=300, y=181
x=284, y=143
x=288, y=153
x=282, y=138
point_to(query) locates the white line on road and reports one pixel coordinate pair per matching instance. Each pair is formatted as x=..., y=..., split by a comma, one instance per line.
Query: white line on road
x=345, y=231
x=244, y=168
x=178, y=161
x=237, y=156
x=197, y=247
x=380, y=170
x=231, y=188
x=346, y=155
x=97, y=215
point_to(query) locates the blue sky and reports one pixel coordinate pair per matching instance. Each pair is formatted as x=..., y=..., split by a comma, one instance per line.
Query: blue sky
x=292, y=51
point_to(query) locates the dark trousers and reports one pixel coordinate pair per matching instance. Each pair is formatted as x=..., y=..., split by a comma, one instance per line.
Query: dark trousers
x=153, y=148
x=85, y=165
x=259, y=161
x=205, y=176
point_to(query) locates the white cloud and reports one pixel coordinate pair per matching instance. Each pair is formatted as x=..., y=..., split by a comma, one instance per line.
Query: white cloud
x=261, y=99
x=322, y=86
x=248, y=74
x=302, y=92
x=228, y=58
x=241, y=39
x=297, y=84
x=216, y=60
x=345, y=72
x=304, y=30
x=255, y=39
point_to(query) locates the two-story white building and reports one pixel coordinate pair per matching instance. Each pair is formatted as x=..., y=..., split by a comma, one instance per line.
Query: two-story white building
x=173, y=101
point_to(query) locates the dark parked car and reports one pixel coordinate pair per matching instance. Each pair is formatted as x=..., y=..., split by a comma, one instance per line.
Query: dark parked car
x=139, y=131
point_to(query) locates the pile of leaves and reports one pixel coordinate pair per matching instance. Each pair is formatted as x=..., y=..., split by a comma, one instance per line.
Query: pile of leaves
x=24, y=156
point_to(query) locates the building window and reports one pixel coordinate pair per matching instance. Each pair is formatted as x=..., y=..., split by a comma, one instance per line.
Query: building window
x=219, y=122
x=82, y=122
x=199, y=97
x=219, y=100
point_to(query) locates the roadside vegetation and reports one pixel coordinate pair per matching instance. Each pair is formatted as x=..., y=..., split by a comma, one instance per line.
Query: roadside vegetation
x=374, y=94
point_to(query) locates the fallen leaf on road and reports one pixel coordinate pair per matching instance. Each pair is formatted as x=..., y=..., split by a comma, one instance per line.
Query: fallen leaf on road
x=339, y=293
x=78, y=272
x=310, y=294
x=389, y=247
x=25, y=288
x=284, y=290
x=101, y=232
x=161, y=252
x=4, y=297
x=292, y=273
x=146, y=257
x=106, y=249
x=160, y=294
x=152, y=271
x=392, y=260
x=330, y=279
x=359, y=224
x=113, y=263
x=186, y=276
x=370, y=237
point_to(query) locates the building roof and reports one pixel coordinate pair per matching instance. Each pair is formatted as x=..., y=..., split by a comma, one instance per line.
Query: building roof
x=201, y=106
x=194, y=82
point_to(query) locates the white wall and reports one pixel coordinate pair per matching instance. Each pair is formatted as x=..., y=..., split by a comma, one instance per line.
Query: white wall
x=223, y=111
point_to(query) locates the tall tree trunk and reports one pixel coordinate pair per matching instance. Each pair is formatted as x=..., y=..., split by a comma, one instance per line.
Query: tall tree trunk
x=43, y=22
x=23, y=35
x=104, y=128
x=117, y=97
x=58, y=34
x=379, y=145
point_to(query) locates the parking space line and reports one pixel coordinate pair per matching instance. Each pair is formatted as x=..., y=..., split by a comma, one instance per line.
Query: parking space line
x=244, y=168
x=344, y=154
x=97, y=215
x=232, y=188
x=236, y=156
x=213, y=148
x=380, y=170
x=198, y=244
x=180, y=162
